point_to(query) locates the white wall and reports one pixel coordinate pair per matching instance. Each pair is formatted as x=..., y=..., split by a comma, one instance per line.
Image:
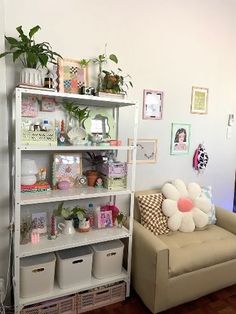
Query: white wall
x=4, y=171
x=165, y=45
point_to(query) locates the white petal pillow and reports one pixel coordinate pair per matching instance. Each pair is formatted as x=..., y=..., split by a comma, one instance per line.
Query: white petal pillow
x=185, y=206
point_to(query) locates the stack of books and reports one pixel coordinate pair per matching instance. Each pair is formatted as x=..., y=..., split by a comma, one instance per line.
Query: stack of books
x=37, y=187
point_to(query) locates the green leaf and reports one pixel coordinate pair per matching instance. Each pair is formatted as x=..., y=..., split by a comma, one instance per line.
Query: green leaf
x=43, y=60
x=34, y=30
x=113, y=58
x=24, y=38
x=11, y=40
x=16, y=54
x=32, y=60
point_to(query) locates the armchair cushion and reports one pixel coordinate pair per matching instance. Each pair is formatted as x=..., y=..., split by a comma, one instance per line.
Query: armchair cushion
x=196, y=250
x=152, y=217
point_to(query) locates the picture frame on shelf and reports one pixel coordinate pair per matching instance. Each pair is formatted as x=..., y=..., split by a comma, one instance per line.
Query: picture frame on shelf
x=48, y=104
x=146, y=151
x=29, y=106
x=199, y=100
x=71, y=75
x=67, y=167
x=180, y=138
x=152, y=104
x=39, y=222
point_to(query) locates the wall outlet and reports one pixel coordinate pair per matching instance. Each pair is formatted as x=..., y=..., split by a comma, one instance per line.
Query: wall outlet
x=2, y=289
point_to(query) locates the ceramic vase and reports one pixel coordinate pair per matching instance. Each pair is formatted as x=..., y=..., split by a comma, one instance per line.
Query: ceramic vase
x=32, y=77
x=67, y=227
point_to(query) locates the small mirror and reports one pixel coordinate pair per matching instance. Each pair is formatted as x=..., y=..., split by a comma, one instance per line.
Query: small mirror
x=99, y=125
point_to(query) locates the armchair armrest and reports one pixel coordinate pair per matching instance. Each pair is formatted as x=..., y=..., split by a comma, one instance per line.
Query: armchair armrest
x=226, y=219
x=149, y=266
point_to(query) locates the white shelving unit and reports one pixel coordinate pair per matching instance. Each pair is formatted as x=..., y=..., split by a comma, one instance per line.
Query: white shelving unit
x=20, y=200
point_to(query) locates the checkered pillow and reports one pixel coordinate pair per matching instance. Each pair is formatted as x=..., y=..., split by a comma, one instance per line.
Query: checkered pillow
x=152, y=217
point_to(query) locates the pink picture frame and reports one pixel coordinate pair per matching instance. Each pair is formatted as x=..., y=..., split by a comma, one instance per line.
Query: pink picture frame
x=152, y=104
x=71, y=75
x=104, y=219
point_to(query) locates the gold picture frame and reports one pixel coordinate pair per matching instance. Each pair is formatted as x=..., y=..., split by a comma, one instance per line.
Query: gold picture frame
x=199, y=100
x=71, y=76
x=146, y=151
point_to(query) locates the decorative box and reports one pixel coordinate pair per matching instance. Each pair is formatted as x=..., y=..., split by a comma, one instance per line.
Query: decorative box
x=113, y=169
x=38, y=137
x=67, y=167
x=114, y=183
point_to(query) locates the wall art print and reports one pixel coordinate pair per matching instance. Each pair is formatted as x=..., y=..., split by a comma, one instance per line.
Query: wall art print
x=199, y=100
x=146, y=151
x=71, y=76
x=152, y=104
x=180, y=138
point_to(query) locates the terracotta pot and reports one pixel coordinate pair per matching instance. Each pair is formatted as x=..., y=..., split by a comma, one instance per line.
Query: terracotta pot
x=92, y=176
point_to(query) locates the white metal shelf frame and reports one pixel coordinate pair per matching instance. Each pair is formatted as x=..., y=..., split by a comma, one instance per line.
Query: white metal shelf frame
x=19, y=200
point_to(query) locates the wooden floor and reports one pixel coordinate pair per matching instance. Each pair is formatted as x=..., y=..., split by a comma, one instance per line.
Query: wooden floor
x=221, y=302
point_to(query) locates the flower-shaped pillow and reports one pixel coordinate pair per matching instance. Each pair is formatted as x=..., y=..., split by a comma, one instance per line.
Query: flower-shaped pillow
x=186, y=206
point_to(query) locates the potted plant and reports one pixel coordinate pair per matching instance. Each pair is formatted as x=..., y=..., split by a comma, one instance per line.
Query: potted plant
x=116, y=83
x=32, y=55
x=80, y=220
x=75, y=126
x=68, y=214
x=25, y=230
x=92, y=175
x=110, y=81
x=101, y=60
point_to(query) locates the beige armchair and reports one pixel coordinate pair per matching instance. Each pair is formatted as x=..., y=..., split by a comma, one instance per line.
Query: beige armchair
x=168, y=270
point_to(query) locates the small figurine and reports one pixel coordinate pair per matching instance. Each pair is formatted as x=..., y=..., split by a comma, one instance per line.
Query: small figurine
x=99, y=183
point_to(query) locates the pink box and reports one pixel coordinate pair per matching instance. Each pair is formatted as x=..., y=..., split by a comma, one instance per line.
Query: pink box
x=114, y=169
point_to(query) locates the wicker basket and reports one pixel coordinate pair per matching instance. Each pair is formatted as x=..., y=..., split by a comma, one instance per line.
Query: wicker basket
x=66, y=305
x=38, y=137
x=90, y=300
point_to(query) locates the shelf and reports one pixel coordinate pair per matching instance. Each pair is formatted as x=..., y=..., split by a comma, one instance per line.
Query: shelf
x=73, y=148
x=81, y=99
x=68, y=195
x=57, y=292
x=75, y=240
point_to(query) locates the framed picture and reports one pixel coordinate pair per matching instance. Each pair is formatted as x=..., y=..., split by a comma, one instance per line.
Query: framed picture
x=104, y=219
x=199, y=100
x=29, y=106
x=180, y=138
x=39, y=222
x=152, y=104
x=67, y=167
x=146, y=151
x=48, y=104
x=71, y=76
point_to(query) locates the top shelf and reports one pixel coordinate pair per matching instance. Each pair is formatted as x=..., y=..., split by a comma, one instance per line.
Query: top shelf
x=80, y=99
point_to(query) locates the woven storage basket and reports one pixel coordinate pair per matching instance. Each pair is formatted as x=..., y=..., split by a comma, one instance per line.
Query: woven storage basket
x=90, y=300
x=66, y=305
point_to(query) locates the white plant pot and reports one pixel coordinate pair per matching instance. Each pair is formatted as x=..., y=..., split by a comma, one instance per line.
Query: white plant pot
x=32, y=77
x=67, y=227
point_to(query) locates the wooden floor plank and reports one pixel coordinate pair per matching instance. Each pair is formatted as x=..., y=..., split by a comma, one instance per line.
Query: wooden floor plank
x=220, y=302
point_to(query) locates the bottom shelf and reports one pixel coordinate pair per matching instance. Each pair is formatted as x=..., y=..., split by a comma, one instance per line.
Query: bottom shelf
x=58, y=292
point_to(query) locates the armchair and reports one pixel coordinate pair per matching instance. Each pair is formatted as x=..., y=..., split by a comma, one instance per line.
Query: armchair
x=168, y=270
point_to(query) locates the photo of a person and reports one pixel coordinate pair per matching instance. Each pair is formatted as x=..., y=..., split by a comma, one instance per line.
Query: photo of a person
x=180, y=139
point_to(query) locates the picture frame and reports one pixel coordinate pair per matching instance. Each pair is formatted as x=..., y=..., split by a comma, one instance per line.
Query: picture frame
x=180, y=138
x=29, y=106
x=152, y=104
x=199, y=100
x=67, y=167
x=48, y=104
x=104, y=219
x=39, y=222
x=146, y=151
x=71, y=75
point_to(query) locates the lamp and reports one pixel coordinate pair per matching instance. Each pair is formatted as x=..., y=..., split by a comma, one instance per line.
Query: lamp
x=28, y=172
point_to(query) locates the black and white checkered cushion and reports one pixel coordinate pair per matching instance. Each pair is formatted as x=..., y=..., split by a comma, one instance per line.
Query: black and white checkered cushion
x=152, y=216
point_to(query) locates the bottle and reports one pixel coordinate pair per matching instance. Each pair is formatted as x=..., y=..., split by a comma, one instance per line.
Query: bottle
x=90, y=213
